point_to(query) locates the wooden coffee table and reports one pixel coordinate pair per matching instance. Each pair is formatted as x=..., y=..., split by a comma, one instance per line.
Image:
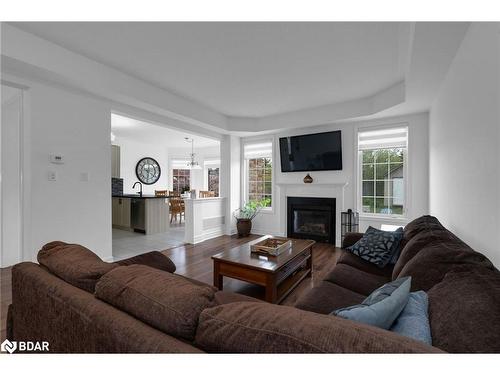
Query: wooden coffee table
x=279, y=275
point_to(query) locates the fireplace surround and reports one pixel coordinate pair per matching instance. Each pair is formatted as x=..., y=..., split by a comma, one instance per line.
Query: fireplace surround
x=311, y=218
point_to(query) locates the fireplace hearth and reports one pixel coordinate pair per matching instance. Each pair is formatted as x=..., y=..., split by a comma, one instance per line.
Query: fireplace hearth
x=311, y=218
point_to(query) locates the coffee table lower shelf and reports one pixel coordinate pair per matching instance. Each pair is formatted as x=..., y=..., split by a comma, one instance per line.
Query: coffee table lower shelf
x=291, y=283
x=277, y=284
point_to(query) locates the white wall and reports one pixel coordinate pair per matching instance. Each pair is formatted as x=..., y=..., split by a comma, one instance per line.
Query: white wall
x=230, y=178
x=69, y=209
x=205, y=219
x=464, y=143
x=130, y=153
x=11, y=164
x=274, y=222
x=75, y=124
x=70, y=114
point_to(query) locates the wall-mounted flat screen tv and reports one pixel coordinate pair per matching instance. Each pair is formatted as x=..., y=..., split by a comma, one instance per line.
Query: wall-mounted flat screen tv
x=311, y=152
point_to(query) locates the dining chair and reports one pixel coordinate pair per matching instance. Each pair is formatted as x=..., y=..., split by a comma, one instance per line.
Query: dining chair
x=161, y=193
x=176, y=208
x=207, y=194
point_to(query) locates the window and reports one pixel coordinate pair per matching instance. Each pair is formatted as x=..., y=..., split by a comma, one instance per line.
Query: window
x=382, y=171
x=259, y=173
x=213, y=180
x=211, y=172
x=180, y=180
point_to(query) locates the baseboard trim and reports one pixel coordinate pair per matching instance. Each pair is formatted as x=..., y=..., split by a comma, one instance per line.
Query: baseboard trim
x=207, y=235
x=263, y=232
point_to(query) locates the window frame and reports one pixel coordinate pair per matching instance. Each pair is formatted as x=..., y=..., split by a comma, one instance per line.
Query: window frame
x=183, y=169
x=359, y=170
x=244, y=175
x=210, y=163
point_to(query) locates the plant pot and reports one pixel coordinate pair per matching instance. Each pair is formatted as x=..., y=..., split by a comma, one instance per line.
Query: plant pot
x=244, y=227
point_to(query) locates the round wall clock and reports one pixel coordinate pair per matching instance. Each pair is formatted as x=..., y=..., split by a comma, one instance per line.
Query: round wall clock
x=148, y=171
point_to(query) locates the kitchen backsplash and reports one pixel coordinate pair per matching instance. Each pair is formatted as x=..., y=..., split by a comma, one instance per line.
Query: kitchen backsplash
x=116, y=186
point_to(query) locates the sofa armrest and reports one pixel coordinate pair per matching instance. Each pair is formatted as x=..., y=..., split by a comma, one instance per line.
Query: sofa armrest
x=350, y=239
x=72, y=320
x=249, y=327
x=153, y=259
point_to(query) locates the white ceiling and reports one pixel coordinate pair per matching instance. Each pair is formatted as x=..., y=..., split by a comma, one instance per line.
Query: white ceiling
x=245, y=69
x=434, y=47
x=147, y=133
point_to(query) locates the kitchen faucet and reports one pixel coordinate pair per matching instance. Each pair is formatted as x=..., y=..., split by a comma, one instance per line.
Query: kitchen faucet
x=140, y=185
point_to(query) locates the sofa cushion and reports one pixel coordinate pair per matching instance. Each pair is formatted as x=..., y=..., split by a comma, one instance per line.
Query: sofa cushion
x=223, y=298
x=46, y=308
x=73, y=263
x=382, y=307
x=153, y=259
x=246, y=327
x=163, y=300
x=423, y=223
x=417, y=243
x=414, y=319
x=434, y=261
x=356, y=280
x=377, y=246
x=358, y=263
x=326, y=297
x=464, y=311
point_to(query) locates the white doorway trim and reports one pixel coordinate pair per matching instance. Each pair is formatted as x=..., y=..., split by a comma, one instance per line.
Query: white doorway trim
x=22, y=195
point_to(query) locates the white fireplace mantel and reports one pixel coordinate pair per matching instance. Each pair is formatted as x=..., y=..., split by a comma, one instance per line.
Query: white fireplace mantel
x=316, y=189
x=313, y=184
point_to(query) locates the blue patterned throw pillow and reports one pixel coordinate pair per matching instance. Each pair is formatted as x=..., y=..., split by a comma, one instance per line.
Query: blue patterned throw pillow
x=377, y=246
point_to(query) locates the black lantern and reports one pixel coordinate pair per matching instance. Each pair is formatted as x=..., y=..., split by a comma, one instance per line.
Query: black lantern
x=349, y=222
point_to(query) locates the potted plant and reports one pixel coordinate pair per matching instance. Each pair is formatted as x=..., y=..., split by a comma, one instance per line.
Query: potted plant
x=245, y=215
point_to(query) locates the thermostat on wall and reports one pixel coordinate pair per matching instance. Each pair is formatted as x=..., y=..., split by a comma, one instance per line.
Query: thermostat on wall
x=56, y=159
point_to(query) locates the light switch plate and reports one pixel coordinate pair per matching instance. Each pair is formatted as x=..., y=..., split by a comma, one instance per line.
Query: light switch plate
x=52, y=176
x=56, y=159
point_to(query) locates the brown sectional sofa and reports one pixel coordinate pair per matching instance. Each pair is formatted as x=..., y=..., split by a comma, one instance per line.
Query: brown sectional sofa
x=463, y=286
x=140, y=306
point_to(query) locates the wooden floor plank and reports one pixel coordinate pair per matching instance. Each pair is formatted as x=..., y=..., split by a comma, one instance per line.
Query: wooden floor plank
x=195, y=261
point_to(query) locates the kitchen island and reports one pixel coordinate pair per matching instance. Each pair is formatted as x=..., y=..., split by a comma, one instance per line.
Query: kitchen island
x=146, y=214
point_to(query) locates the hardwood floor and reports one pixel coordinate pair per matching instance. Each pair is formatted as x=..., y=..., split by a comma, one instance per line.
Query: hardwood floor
x=195, y=261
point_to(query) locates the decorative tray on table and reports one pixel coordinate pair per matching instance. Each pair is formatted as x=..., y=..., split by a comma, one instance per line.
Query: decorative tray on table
x=271, y=246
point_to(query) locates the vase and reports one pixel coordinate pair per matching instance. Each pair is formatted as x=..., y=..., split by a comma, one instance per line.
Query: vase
x=244, y=227
x=308, y=179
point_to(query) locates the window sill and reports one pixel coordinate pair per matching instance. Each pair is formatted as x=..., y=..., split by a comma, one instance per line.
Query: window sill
x=402, y=219
x=267, y=211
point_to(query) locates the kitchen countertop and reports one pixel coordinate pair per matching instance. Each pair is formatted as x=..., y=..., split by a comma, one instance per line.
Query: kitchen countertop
x=137, y=196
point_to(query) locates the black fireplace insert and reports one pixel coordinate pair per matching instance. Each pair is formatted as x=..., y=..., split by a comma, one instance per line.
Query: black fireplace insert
x=311, y=218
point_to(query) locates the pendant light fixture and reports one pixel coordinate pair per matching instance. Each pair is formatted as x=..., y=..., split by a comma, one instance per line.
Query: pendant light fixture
x=192, y=164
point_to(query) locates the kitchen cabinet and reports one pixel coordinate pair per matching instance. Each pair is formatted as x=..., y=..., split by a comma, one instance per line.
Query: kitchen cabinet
x=120, y=212
x=142, y=214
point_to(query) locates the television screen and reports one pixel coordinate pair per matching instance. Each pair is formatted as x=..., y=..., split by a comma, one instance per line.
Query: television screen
x=311, y=152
